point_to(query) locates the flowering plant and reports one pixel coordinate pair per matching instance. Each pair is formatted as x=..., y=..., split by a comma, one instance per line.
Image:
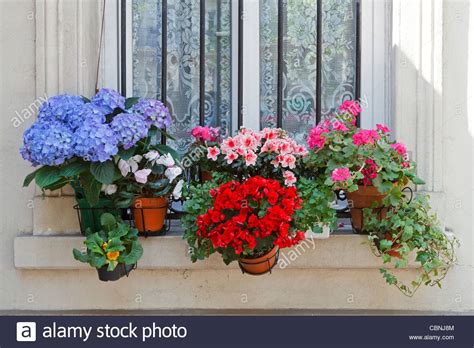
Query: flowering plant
x=148, y=173
x=412, y=228
x=270, y=153
x=351, y=157
x=115, y=243
x=81, y=141
x=246, y=220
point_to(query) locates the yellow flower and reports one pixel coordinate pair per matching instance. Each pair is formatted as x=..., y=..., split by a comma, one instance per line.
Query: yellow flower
x=113, y=255
x=104, y=246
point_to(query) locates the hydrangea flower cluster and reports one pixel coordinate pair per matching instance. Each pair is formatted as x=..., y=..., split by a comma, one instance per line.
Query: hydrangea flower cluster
x=154, y=111
x=95, y=142
x=108, y=100
x=69, y=126
x=62, y=108
x=47, y=144
x=129, y=129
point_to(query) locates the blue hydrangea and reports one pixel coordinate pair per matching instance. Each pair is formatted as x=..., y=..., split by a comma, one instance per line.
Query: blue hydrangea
x=129, y=129
x=95, y=142
x=62, y=108
x=154, y=111
x=47, y=143
x=108, y=100
x=88, y=112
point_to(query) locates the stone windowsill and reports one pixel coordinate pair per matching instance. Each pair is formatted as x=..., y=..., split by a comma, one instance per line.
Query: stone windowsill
x=340, y=251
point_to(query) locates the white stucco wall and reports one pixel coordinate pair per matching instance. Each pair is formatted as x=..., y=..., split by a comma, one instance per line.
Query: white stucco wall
x=49, y=46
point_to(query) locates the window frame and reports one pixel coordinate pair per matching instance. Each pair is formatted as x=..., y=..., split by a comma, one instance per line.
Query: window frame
x=373, y=66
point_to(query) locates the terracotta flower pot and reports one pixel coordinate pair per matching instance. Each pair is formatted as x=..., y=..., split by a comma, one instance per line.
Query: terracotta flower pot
x=260, y=265
x=393, y=253
x=365, y=197
x=149, y=213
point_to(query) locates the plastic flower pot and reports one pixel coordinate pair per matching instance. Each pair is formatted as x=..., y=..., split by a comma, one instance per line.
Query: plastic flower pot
x=393, y=253
x=365, y=197
x=324, y=234
x=121, y=270
x=149, y=214
x=89, y=217
x=260, y=265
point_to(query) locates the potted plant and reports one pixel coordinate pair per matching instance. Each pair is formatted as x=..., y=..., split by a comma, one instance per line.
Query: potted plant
x=113, y=251
x=149, y=178
x=410, y=228
x=317, y=216
x=80, y=142
x=371, y=167
x=243, y=221
x=270, y=153
x=204, y=137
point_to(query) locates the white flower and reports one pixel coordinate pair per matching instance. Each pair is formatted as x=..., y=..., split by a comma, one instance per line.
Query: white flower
x=124, y=167
x=166, y=160
x=178, y=189
x=141, y=176
x=152, y=156
x=172, y=173
x=109, y=189
x=129, y=166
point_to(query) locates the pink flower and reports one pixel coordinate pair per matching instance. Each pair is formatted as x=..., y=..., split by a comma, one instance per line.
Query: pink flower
x=205, y=133
x=250, y=158
x=315, y=138
x=382, y=128
x=141, y=176
x=231, y=157
x=290, y=178
x=249, y=142
x=350, y=106
x=405, y=164
x=369, y=171
x=269, y=133
x=400, y=148
x=340, y=174
x=229, y=144
x=213, y=152
x=340, y=126
x=365, y=136
x=288, y=161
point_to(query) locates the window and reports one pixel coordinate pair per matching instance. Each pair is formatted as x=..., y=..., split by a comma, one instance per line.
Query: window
x=227, y=63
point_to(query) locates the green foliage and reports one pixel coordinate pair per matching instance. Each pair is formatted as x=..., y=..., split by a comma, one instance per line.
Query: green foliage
x=103, y=172
x=197, y=201
x=316, y=210
x=116, y=243
x=411, y=229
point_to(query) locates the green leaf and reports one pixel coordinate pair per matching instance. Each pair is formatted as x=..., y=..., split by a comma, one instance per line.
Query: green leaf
x=108, y=221
x=165, y=149
x=47, y=176
x=129, y=102
x=126, y=154
x=134, y=255
x=79, y=256
x=91, y=189
x=57, y=185
x=97, y=261
x=29, y=178
x=159, y=184
x=385, y=244
x=115, y=244
x=73, y=169
x=417, y=181
x=103, y=171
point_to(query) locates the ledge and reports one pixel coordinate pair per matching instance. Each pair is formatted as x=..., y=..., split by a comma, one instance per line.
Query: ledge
x=170, y=252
